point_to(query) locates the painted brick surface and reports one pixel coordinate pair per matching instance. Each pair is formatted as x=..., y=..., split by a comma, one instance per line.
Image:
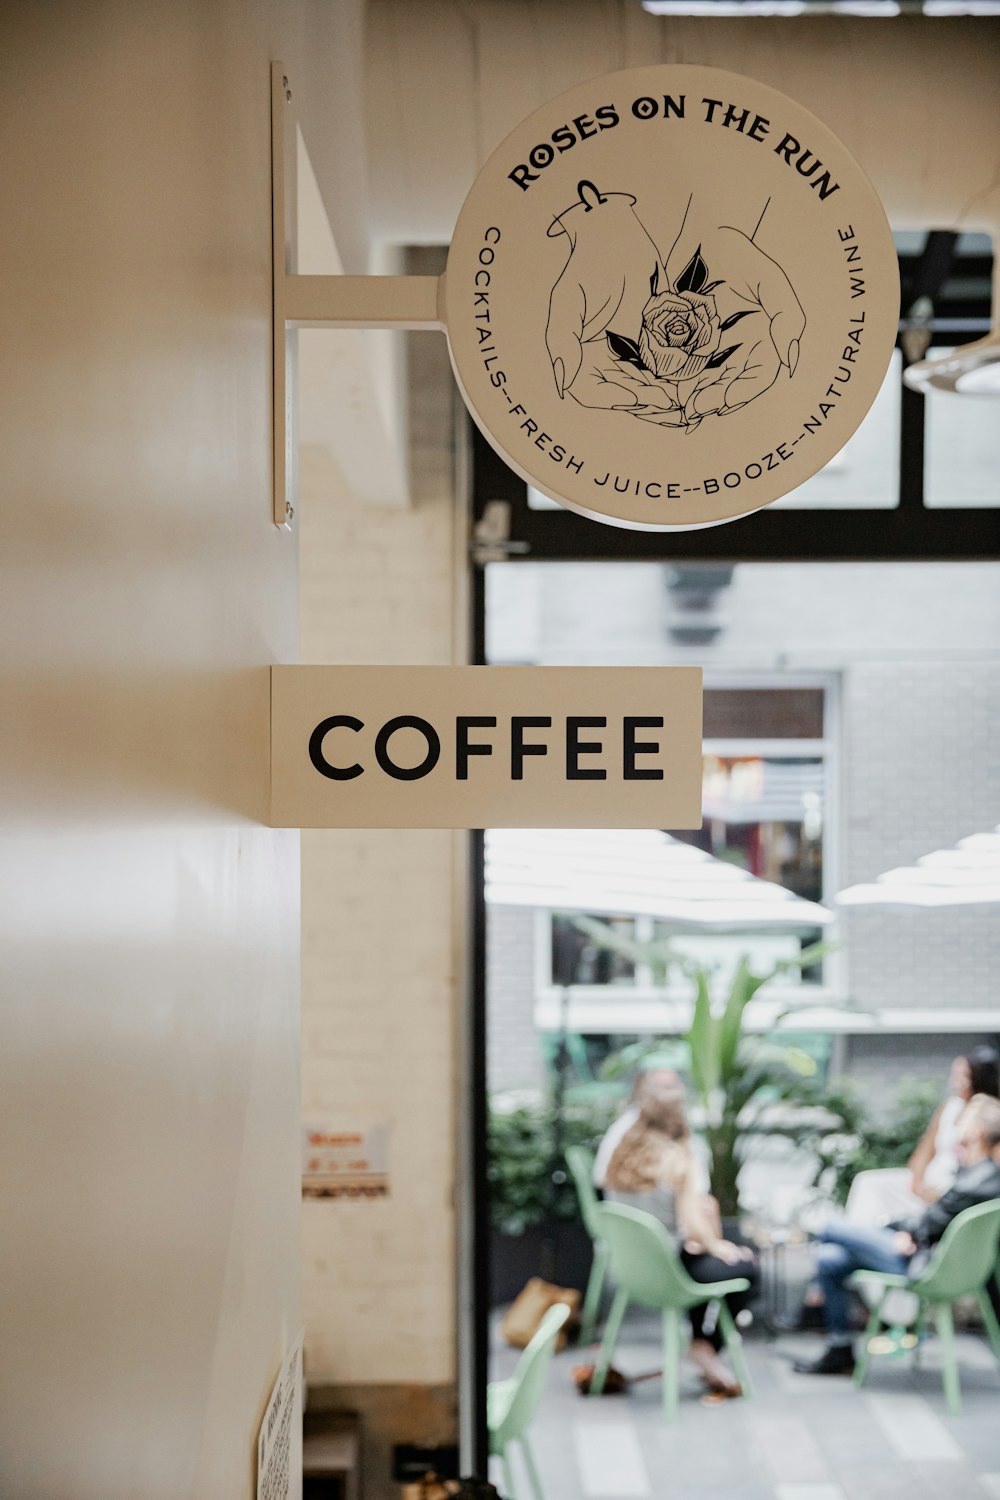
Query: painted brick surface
x=378, y=942
x=513, y=1057
x=920, y=770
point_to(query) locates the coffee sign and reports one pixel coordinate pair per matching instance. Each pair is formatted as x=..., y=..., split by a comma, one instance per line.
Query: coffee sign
x=671, y=297
x=486, y=747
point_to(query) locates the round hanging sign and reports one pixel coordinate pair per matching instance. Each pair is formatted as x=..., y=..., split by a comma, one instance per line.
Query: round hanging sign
x=671, y=297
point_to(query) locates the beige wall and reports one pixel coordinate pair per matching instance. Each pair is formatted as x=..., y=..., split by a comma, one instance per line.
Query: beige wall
x=149, y=922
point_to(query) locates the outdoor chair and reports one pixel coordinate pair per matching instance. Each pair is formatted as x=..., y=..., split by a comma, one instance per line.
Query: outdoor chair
x=648, y=1270
x=962, y=1264
x=511, y=1404
x=581, y=1164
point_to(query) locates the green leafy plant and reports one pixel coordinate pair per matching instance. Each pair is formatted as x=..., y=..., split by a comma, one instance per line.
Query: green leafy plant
x=523, y=1190
x=738, y=1077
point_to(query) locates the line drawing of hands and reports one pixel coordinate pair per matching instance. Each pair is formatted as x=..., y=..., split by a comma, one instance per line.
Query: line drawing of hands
x=770, y=328
x=674, y=346
x=605, y=279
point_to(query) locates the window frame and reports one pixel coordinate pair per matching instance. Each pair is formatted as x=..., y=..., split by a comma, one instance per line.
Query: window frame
x=601, y=1009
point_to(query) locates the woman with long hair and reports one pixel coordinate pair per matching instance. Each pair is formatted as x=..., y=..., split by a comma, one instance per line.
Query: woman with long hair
x=653, y=1167
x=889, y=1193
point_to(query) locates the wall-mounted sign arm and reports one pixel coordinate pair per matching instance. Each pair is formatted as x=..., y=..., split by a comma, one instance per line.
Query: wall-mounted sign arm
x=331, y=301
x=362, y=301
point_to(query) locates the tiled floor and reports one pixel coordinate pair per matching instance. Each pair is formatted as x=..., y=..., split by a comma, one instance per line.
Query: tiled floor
x=801, y=1438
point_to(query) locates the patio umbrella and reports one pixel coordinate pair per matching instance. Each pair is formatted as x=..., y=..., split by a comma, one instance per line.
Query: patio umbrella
x=967, y=874
x=638, y=872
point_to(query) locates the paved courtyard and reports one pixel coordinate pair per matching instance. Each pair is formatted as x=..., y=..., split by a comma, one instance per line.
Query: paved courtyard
x=800, y=1438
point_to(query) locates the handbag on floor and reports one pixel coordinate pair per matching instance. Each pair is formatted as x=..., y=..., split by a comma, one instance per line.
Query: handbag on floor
x=521, y=1320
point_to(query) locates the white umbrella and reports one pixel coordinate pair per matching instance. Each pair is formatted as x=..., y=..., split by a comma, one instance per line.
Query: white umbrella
x=966, y=875
x=635, y=872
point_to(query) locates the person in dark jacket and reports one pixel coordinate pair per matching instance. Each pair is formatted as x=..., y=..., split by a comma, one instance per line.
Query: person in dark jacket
x=902, y=1248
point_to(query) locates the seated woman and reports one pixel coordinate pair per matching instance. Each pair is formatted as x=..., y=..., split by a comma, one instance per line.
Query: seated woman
x=656, y=1077
x=653, y=1167
x=652, y=1074
x=882, y=1196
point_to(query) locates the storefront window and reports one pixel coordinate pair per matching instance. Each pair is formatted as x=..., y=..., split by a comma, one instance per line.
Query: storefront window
x=864, y=475
x=765, y=814
x=765, y=774
x=580, y=957
x=962, y=456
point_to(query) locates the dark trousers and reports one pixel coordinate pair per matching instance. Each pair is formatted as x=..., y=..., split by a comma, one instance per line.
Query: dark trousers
x=707, y=1268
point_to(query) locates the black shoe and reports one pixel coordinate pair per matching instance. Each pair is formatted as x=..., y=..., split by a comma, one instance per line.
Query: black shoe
x=811, y=1318
x=836, y=1359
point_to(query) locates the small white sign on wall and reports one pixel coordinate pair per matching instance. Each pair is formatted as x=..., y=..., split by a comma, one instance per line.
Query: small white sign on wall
x=279, y=1442
x=345, y=1162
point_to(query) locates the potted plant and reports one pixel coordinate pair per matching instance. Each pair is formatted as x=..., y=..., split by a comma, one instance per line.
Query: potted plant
x=534, y=1213
x=738, y=1078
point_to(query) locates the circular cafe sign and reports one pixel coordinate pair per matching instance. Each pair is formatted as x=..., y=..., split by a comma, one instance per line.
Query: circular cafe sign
x=671, y=297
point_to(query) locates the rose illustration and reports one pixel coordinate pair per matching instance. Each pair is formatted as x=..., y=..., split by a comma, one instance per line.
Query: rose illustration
x=670, y=348
x=678, y=342
x=680, y=333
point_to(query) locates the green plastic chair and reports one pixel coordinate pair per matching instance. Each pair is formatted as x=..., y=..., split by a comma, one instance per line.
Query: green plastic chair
x=511, y=1404
x=962, y=1264
x=648, y=1271
x=581, y=1165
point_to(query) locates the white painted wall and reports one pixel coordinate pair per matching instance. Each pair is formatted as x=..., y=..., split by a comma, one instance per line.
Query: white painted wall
x=914, y=98
x=149, y=1037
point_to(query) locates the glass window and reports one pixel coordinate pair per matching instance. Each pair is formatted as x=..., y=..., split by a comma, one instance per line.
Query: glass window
x=538, y=501
x=962, y=449
x=763, y=713
x=765, y=814
x=578, y=955
x=864, y=475
x=721, y=953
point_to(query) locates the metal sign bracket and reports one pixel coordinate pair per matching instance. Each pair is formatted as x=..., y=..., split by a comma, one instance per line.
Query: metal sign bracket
x=406, y=302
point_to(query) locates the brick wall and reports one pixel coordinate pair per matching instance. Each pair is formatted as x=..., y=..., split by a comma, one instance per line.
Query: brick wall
x=919, y=771
x=513, y=1058
x=379, y=938
x=879, y=1064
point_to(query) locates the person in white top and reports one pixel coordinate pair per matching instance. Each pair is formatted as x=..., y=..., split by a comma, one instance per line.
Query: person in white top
x=886, y=1194
x=619, y=1128
x=657, y=1079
